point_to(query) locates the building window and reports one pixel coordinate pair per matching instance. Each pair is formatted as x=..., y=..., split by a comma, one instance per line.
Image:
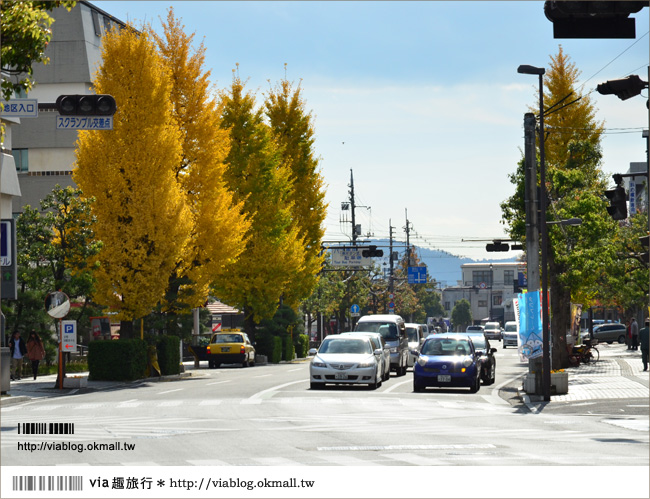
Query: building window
x=21, y=159
x=98, y=28
x=508, y=277
x=482, y=276
x=497, y=300
x=482, y=303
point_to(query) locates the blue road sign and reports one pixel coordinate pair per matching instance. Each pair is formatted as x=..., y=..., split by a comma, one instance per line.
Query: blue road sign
x=417, y=275
x=355, y=309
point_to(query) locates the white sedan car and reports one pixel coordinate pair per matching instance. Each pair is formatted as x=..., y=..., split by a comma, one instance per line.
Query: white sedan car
x=345, y=359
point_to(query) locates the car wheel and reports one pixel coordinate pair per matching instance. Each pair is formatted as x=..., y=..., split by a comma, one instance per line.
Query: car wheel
x=621, y=339
x=216, y=365
x=315, y=386
x=493, y=375
x=210, y=364
x=417, y=387
x=476, y=385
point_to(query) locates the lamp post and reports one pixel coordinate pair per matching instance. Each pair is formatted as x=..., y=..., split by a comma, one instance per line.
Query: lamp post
x=546, y=337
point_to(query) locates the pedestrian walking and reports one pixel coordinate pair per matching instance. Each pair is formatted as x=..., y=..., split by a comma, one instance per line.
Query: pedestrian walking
x=17, y=349
x=643, y=340
x=35, y=351
x=628, y=335
x=634, y=332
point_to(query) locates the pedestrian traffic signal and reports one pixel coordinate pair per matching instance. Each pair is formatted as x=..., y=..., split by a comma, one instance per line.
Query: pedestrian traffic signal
x=617, y=203
x=372, y=251
x=86, y=105
x=497, y=246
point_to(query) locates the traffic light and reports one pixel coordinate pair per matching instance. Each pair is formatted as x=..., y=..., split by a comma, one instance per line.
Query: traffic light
x=624, y=88
x=86, y=105
x=617, y=203
x=645, y=256
x=593, y=19
x=497, y=246
x=372, y=251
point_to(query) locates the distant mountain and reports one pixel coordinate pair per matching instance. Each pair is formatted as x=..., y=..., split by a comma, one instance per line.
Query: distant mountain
x=441, y=265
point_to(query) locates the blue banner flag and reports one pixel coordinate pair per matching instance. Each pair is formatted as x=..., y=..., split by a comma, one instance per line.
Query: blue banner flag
x=530, y=326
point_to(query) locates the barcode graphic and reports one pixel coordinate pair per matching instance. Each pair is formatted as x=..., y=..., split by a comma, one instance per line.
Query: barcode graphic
x=33, y=482
x=46, y=428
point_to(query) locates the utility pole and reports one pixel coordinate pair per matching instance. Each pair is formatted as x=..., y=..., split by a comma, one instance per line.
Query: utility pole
x=390, y=259
x=352, y=207
x=407, y=229
x=532, y=212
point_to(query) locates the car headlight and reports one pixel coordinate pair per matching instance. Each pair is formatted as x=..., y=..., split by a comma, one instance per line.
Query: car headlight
x=368, y=363
x=316, y=362
x=468, y=361
x=422, y=360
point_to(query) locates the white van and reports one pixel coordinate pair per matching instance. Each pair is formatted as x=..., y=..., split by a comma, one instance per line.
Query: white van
x=416, y=336
x=393, y=330
x=511, y=334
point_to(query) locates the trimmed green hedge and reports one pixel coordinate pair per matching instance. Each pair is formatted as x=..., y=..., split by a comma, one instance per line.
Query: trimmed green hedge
x=287, y=348
x=169, y=357
x=117, y=360
x=301, y=343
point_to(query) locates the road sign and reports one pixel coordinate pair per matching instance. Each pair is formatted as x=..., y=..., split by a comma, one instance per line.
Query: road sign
x=216, y=327
x=354, y=310
x=20, y=108
x=417, y=275
x=350, y=257
x=69, y=336
x=84, y=122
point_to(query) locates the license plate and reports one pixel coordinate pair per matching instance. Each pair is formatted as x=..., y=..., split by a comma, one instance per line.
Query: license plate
x=444, y=378
x=225, y=349
x=340, y=376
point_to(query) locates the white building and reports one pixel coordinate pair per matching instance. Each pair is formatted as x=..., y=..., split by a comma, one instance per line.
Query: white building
x=489, y=287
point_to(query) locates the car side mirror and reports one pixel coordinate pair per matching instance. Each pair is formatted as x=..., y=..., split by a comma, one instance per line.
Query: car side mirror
x=415, y=353
x=378, y=352
x=312, y=351
x=493, y=350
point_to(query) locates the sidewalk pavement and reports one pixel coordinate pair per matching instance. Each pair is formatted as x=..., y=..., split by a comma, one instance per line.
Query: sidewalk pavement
x=618, y=374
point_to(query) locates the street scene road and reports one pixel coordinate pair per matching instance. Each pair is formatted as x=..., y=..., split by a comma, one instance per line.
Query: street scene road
x=268, y=416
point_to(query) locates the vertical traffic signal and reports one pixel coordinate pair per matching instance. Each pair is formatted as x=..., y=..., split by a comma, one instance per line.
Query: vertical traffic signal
x=617, y=203
x=86, y=105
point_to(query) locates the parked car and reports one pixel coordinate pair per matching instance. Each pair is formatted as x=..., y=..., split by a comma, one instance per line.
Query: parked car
x=488, y=361
x=416, y=337
x=230, y=348
x=379, y=343
x=610, y=333
x=493, y=331
x=447, y=360
x=393, y=330
x=345, y=359
x=475, y=327
x=511, y=334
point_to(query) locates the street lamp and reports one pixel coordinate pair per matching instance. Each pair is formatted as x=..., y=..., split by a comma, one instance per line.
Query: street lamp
x=546, y=337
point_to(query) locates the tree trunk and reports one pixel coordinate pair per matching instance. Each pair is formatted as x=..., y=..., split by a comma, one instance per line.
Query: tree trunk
x=126, y=330
x=560, y=301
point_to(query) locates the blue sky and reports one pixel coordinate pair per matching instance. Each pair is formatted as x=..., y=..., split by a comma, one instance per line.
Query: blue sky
x=422, y=100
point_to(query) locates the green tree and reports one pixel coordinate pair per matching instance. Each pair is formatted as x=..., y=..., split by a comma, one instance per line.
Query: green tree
x=25, y=32
x=55, y=245
x=461, y=315
x=274, y=254
x=141, y=210
x=292, y=127
x=579, y=258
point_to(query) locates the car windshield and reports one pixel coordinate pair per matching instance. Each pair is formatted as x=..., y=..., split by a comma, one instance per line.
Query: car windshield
x=412, y=334
x=511, y=328
x=345, y=345
x=478, y=340
x=388, y=331
x=228, y=338
x=446, y=346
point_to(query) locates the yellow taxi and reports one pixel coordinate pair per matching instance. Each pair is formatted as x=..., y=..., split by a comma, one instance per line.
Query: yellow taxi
x=232, y=347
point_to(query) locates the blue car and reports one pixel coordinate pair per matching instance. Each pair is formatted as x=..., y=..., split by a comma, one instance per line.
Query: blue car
x=447, y=360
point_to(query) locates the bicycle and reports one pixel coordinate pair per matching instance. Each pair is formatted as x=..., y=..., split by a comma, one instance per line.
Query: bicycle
x=585, y=353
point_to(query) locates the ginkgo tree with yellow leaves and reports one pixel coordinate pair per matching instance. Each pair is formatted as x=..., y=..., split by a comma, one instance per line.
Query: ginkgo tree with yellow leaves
x=217, y=224
x=142, y=215
x=257, y=174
